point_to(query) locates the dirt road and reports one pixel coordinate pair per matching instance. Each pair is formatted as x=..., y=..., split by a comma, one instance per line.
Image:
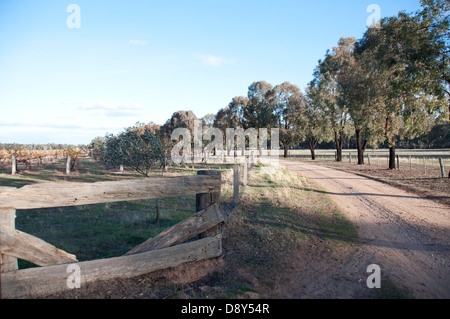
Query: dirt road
x=406, y=235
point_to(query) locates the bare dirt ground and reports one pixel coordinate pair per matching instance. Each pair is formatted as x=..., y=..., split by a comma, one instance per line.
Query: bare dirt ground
x=417, y=179
x=405, y=234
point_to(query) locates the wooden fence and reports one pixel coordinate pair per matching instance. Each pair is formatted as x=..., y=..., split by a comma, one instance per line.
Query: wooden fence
x=194, y=239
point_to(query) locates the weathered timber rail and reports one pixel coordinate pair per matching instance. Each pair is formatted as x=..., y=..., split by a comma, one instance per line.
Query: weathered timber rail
x=70, y=194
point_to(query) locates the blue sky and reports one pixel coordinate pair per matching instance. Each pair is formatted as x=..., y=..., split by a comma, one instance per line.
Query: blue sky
x=141, y=61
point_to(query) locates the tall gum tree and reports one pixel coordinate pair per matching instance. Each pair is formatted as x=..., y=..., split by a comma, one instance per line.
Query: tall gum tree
x=288, y=104
x=231, y=116
x=360, y=93
x=313, y=123
x=351, y=82
x=326, y=80
x=259, y=112
x=410, y=98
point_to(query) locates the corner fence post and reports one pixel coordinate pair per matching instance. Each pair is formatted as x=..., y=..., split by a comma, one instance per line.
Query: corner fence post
x=204, y=200
x=8, y=219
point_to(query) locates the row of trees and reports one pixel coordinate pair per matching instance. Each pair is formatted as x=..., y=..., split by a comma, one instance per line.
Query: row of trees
x=390, y=85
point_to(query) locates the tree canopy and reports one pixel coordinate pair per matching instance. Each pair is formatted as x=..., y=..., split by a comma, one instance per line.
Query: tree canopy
x=392, y=84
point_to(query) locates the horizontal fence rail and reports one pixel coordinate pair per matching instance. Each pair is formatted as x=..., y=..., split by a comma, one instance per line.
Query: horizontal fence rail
x=71, y=194
x=51, y=279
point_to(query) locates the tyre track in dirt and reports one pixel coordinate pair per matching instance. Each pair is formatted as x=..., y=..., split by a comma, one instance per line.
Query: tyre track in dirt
x=403, y=233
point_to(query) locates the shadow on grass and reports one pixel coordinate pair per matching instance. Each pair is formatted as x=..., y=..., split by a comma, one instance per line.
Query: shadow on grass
x=330, y=225
x=16, y=182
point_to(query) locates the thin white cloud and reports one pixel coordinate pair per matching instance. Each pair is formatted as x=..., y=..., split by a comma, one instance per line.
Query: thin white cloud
x=50, y=125
x=214, y=60
x=138, y=42
x=113, y=109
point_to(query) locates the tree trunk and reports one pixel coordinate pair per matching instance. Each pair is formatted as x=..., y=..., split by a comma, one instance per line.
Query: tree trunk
x=286, y=147
x=392, y=157
x=312, y=146
x=360, y=146
x=339, y=140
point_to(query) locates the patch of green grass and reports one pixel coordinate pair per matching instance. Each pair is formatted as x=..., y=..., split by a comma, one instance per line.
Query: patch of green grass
x=102, y=230
x=336, y=226
x=389, y=290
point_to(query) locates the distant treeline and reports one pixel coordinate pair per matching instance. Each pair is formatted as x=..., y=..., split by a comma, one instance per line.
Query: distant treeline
x=437, y=138
x=390, y=88
x=40, y=147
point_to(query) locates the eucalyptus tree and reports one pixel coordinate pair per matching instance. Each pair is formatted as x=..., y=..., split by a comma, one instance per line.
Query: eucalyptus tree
x=258, y=111
x=313, y=123
x=288, y=104
x=179, y=119
x=359, y=93
x=208, y=120
x=231, y=115
x=326, y=77
x=408, y=98
x=424, y=47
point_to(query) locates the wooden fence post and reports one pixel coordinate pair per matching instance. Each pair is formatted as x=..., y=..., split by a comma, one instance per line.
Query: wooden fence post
x=441, y=163
x=235, y=184
x=68, y=164
x=425, y=165
x=8, y=219
x=205, y=200
x=166, y=166
x=398, y=162
x=245, y=172
x=13, y=165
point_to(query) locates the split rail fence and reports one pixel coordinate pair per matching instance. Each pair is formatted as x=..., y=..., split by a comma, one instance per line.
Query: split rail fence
x=196, y=238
